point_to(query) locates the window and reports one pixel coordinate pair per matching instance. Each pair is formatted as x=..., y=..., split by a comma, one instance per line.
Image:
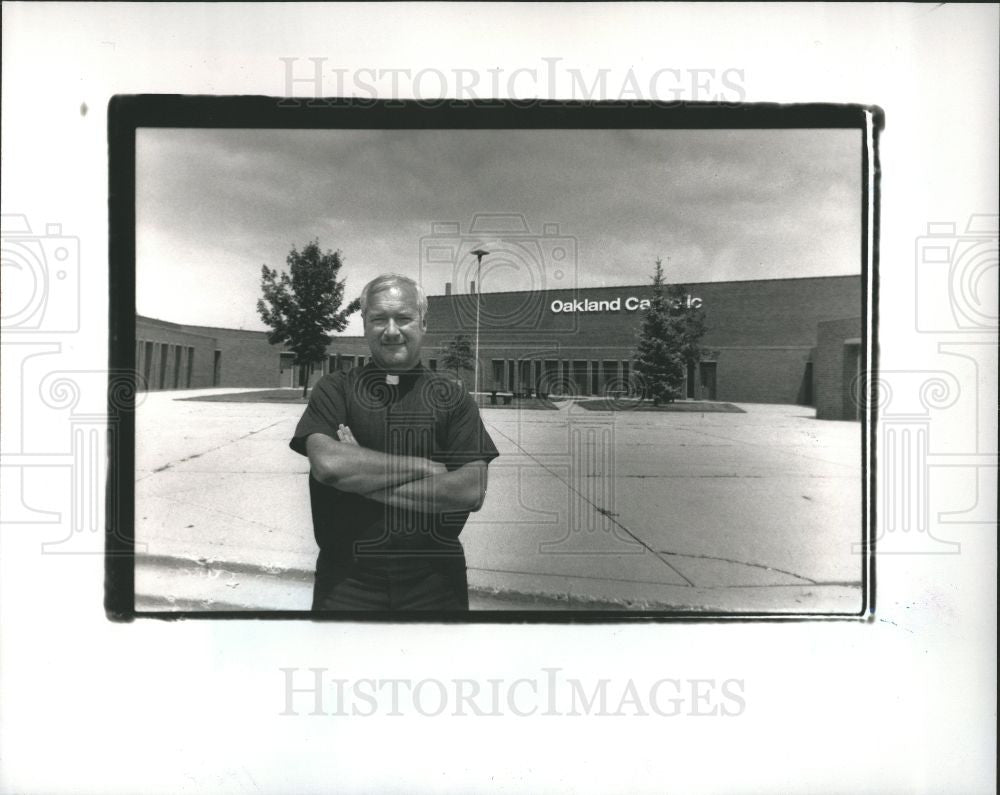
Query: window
x=708, y=380
x=579, y=377
x=525, y=368
x=147, y=365
x=190, y=367
x=612, y=380
x=164, y=355
x=177, y=366
x=550, y=375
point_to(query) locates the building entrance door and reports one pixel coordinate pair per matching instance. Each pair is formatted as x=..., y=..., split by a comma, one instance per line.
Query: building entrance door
x=611, y=381
x=707, y=380
x=524, y=381
x=807, y=385
x=579, y=378
x=852, y=377
x=550, y=379
x=286, y=378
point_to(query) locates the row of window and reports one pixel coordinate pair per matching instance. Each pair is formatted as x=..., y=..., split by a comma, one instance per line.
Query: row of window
x=553, y=375
x=345, y=362
x=587, y=376
x=560, y=376
x=550, y=374
x=163, y=365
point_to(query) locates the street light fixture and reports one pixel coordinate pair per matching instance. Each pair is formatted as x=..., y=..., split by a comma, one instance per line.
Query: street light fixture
x=478, y=254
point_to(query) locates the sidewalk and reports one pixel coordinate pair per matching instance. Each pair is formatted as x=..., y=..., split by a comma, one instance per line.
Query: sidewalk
x=731, y=512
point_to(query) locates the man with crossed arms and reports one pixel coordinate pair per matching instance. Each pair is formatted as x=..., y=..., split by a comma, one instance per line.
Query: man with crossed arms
x=398, y=457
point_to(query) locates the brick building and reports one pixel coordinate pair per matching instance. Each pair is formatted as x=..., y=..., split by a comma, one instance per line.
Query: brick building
x=793, y=341
x=837, y=369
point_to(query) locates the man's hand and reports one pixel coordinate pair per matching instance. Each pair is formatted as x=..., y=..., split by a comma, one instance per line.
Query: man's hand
x=345, y=435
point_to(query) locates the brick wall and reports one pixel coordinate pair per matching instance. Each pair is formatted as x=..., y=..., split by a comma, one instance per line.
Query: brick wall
x=247, y=359
x=762, y=375
x=763, y=331
x=761, y=334
x=835, y=367
x=157, y=344
x=763, y=312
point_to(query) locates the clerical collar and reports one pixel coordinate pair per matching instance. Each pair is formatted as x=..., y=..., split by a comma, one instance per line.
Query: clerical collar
x=394, y=377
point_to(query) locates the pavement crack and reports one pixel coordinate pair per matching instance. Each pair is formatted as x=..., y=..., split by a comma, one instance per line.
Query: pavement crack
x=213, y=509
x=571, y=487
x=741, y=563
x=169, y=464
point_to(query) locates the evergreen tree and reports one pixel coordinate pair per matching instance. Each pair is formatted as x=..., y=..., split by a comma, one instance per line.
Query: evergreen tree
x=690, y=321
x=669, y=340
x=303, y=305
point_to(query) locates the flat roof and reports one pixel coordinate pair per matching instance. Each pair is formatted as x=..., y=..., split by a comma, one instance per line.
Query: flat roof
x=649, y=284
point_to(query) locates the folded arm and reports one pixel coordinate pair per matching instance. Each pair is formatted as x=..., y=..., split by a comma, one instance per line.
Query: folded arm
x=350, y=467
x=462, y=489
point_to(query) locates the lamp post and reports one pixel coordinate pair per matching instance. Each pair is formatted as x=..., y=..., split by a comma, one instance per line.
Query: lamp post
x=479, y=254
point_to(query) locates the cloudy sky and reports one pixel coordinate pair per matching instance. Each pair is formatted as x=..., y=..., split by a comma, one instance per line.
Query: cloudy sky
x=212, y=206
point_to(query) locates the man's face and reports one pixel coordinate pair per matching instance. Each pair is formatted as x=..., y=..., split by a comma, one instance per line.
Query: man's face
x=394, y=328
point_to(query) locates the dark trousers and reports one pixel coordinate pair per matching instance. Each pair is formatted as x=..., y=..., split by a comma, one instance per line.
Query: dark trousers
x=393, y=582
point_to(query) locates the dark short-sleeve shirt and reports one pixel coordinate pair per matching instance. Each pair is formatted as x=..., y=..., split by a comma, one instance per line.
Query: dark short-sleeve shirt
x=425, y=415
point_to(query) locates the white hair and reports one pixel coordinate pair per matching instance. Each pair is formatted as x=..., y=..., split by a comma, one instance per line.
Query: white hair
x=387, y=280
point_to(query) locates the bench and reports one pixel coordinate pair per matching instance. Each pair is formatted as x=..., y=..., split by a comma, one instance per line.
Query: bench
x=507, y=397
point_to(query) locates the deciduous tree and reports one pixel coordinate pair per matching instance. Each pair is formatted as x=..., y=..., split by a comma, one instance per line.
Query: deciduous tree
x=302, y=306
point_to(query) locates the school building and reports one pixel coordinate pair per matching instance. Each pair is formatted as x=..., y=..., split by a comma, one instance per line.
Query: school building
x=792, y=341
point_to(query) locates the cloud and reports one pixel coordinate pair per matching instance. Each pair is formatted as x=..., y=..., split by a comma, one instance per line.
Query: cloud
x=213, y=205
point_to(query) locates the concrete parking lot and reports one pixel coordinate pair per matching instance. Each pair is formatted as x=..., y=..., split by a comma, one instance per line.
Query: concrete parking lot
x=745, y=512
